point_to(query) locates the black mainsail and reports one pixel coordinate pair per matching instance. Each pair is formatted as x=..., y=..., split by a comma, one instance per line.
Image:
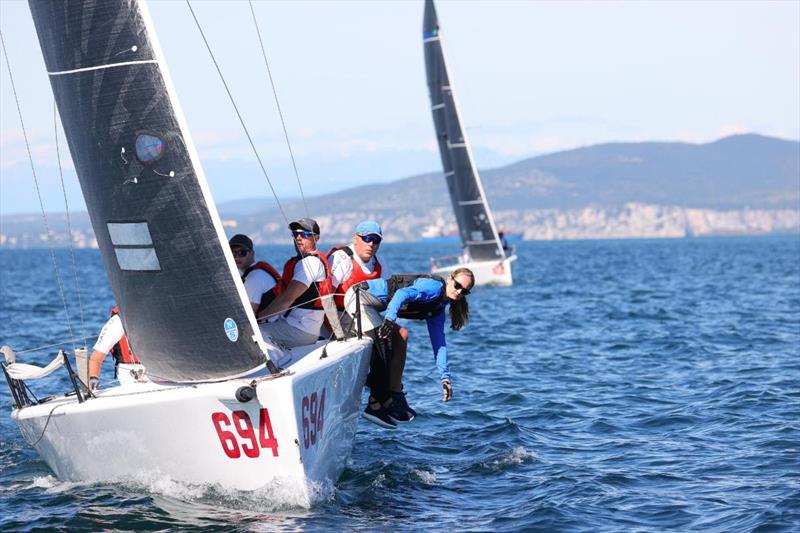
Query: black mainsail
x=475, y=222
x=183, y=305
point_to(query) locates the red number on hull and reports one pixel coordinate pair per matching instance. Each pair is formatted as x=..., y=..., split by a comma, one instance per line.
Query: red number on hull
x=241, y=418
x=266, y=438
x=304, y=410
x=226, y=438
x=244, y=427
x=313, y=412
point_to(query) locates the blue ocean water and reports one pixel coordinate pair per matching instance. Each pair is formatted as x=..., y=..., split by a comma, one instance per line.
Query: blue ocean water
x=617, y=386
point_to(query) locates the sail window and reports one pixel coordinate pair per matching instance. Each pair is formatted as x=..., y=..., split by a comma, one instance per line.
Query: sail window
x=137, y=259
x=129, y=234
x=133, y=246
x=149, y=147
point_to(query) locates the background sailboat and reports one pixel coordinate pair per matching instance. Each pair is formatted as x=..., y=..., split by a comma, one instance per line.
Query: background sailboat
x=183, y=304
x=483, y=250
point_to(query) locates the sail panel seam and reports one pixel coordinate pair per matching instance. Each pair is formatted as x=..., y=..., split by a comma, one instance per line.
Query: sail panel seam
x=100, y=67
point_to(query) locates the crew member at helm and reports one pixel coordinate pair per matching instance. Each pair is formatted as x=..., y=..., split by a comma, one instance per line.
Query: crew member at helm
x=296, y=314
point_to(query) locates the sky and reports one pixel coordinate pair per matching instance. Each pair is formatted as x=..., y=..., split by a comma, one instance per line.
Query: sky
x=531, y=78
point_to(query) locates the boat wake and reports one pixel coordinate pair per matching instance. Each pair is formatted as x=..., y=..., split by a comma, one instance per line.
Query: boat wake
x=172, y=495
x=279, y=494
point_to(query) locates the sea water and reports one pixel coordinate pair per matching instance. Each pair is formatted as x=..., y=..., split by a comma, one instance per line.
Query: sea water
x=617, y=386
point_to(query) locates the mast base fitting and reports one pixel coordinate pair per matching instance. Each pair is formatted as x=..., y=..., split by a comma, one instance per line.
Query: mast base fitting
x=245, y=394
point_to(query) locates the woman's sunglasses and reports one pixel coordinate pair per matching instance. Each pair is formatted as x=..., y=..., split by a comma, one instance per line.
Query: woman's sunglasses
x=240, y=253
x=370, y=239
x=459, y=287
x=303, y=234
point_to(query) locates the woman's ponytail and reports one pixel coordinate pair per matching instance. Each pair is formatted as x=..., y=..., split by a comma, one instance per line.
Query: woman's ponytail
x=459, y=314
x=459, y=309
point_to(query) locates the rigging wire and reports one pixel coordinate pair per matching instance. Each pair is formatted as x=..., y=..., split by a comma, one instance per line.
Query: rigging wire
x=46, y=346
x=69, y=223
x=278, y=105
x=241, y=120
x=38, y=191
x=247, y=133
x=236, y=108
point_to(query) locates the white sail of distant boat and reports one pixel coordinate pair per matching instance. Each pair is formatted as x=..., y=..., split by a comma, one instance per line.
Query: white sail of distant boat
x=207, y=409
x=483, y=250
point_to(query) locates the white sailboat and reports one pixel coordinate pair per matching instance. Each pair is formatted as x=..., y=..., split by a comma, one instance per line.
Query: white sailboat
x=483, y=250
x=212, y=407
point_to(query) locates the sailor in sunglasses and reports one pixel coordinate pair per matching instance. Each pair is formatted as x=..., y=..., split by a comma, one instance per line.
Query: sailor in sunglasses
x=416, y=297
x=296, y=314
x=261, y=281
x=350, y=265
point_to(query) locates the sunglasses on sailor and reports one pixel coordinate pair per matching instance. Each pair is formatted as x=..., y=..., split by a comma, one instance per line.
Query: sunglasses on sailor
x=459, y=287
x=370, y=239
x=240, y=252
x=303, y=234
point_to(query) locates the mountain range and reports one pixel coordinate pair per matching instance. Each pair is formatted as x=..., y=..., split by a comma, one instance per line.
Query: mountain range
x=742, y=184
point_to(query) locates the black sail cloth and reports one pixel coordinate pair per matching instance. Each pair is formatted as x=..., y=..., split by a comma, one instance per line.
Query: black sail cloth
x=162, y=242
x=475, y=223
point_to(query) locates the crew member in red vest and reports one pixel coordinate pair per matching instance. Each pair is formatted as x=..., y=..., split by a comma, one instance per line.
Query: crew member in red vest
x=296, y=314
x=261, y=281
x=111, y=340
x=358, y=261
x=351, y=265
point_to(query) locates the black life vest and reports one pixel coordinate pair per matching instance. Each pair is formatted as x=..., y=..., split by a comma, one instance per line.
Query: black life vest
x=271, y=294
x=310, y=298
x=357, y=275
x=417, y=310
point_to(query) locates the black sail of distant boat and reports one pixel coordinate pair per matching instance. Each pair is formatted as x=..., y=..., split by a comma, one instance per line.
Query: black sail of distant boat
x=475, y=222
x=183, y=307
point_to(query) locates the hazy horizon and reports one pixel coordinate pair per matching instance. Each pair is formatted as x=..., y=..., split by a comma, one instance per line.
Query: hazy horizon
x=532, y=78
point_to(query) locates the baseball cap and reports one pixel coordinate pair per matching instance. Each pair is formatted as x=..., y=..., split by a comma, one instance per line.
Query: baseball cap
x=308, y=224
x=369, y=227
x=241, y=240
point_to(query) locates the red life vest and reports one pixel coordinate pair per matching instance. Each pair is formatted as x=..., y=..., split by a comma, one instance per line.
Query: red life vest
x=122, y=351
x=270, y=295
x=356, y=276
x=310, y=298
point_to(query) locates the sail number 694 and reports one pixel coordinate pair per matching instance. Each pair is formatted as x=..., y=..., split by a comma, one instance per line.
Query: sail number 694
x=247, y=441
x=312, y=410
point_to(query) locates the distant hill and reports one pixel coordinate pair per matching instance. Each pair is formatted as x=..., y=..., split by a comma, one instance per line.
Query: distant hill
x=743, y=184
x=732, y=173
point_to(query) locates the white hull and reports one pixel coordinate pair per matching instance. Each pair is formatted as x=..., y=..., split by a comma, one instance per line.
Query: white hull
x=497, y=273
x=203, y=434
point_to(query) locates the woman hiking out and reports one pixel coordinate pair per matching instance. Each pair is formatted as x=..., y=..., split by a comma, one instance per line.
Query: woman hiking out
x=417, y=297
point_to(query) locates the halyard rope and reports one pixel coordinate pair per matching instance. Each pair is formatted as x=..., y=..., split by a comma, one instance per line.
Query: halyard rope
x=69, y=222
x=278, y=105
x=236, y=108
x=38, y=191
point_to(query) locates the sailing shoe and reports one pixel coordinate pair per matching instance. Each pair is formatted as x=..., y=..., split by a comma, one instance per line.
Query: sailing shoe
x=379, y=417
x=399, y=410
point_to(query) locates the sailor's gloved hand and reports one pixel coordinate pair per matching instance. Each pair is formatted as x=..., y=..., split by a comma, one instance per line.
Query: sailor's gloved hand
x=447, y=390
x=386, y=330
x=93, y=383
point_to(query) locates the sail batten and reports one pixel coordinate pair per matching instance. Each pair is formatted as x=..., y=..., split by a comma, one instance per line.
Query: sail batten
x=474, y=218
x=99, y=67
x=182, y=303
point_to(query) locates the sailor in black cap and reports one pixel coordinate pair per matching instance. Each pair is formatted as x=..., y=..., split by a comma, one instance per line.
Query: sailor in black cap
x=261, y=281
x=296, y=315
